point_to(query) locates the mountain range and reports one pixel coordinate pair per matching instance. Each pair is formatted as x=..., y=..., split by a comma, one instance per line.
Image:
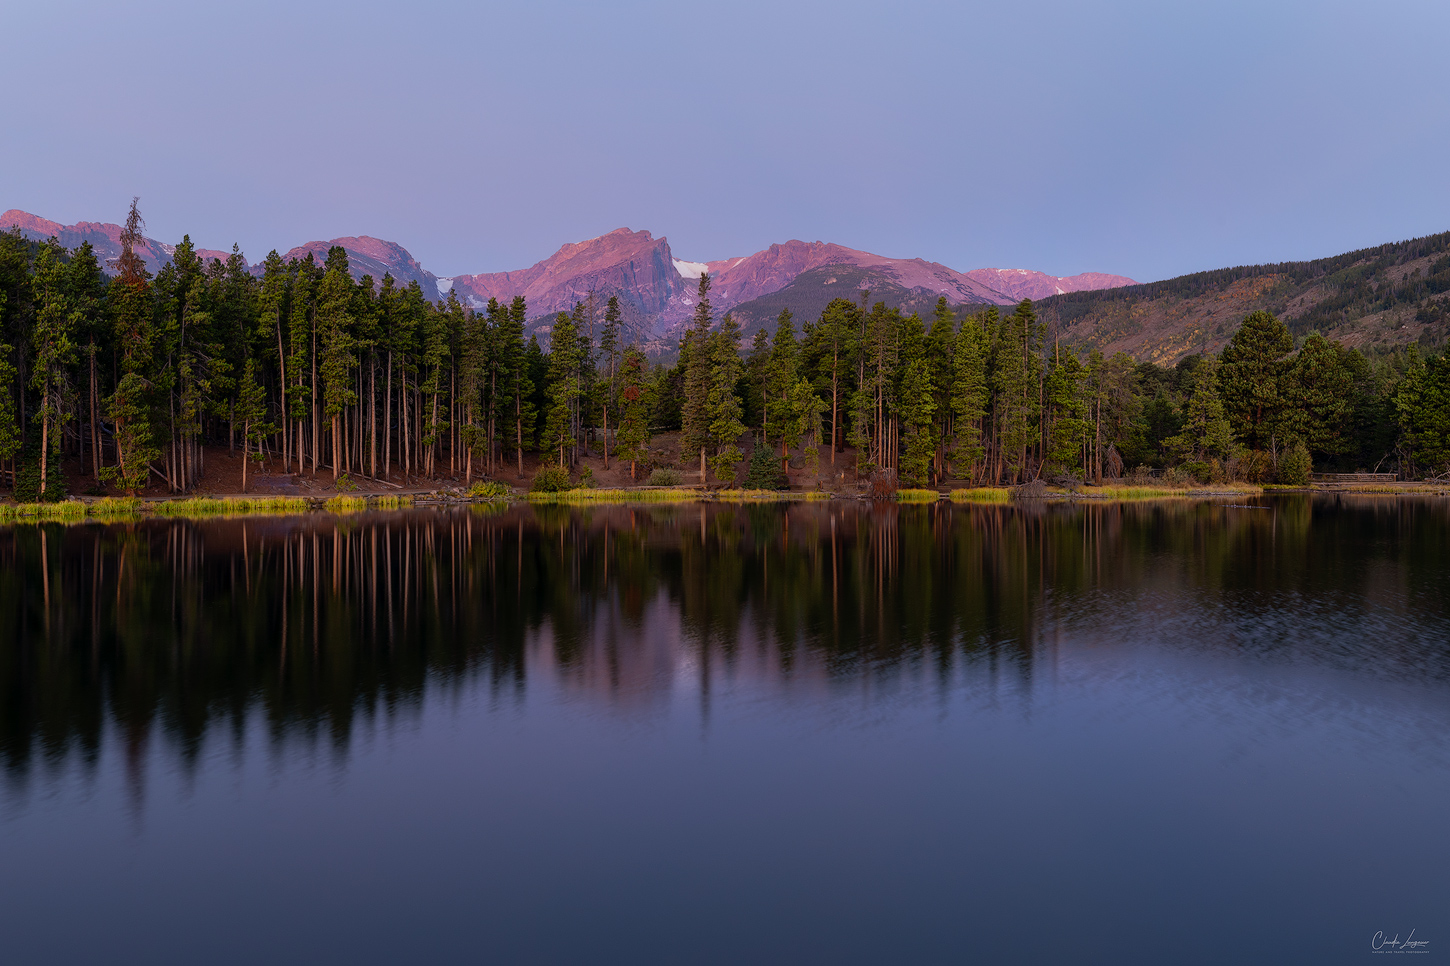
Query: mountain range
x=657, y=290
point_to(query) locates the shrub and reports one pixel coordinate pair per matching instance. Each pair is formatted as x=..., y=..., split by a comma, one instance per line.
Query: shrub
x=1296, y=465
x=27, y=484
x=764, y=471
x=1200, y=471
x=586, y=478
x=882, y=484
x=664, y=476
x=1177, y=478
x=551, y=479
x=1031, y=490
x=345, y=484
x=1251, y=466
x=489, y=490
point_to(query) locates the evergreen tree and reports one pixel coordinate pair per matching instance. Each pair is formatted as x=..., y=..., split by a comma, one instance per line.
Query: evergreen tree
x=515, y=391
x=969, y=396
x=757, y=365
x=9, y=424
x=697, y=365
x=55, y=351
x=806, y=409
x=88, y=291
x=1423, y=403
x=834, y=346
x=1014, y=391
x=635, y=392
x=609, y=355
x=781, y=376
x=940, y=348
x=1068, y=440
x=723, y=407
x=251, y=412
x=1206, y=433
x=918, y=406
x=1318, y=391
x=1252, y=368
x=132, y=402
x=337, y=350
x=563, y=382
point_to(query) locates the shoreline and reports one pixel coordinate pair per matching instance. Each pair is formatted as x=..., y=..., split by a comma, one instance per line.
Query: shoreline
x=120, y=509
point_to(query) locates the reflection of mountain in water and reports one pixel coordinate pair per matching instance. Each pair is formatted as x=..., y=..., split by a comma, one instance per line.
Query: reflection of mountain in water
x=183, y=628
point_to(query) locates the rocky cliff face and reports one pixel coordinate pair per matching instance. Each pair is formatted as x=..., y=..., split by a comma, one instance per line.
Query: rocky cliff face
x=633, y=265
x=104, y=237
x=1020, y=283
x=374, y=256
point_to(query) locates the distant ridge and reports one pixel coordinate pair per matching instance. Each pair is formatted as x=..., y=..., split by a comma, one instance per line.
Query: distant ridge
x=656, y=290
x=1384, y=296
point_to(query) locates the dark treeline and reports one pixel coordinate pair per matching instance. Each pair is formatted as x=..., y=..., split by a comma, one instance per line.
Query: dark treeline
x=303, y=366
x=186, y=630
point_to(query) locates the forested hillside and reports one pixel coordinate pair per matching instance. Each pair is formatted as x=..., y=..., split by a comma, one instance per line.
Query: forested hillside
x=132, y=380
x=1373, y=300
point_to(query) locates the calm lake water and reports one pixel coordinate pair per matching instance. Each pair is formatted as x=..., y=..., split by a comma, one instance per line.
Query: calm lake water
x=1175, y=732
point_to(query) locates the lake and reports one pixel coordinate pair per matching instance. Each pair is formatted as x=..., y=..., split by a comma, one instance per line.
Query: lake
x=1175, y=731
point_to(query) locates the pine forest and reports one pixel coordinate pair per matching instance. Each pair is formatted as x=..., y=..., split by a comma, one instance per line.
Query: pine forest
x=299, y=368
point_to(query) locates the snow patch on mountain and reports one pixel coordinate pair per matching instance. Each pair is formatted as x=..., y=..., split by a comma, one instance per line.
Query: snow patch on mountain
x=690, y=269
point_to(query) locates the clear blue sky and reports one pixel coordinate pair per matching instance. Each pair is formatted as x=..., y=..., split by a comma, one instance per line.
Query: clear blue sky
x=1144, y=138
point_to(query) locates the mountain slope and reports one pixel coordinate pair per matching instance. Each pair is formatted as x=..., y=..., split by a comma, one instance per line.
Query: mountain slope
x=1377, y=297
x=104, y=237
x=738, y=280
x=812, y=290
x=373, y=256
x=633, y=265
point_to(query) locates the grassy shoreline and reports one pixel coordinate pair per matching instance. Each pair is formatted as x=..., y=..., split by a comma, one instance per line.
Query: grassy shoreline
x=109, y=509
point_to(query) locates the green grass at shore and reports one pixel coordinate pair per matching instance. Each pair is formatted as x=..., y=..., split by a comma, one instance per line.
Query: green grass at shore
x=676, y=495
x=1160, y=492
x=586, y=495
x=769, y=496
x=64, y=511
x=210, y=506
x=982, y=494
x=917, y=496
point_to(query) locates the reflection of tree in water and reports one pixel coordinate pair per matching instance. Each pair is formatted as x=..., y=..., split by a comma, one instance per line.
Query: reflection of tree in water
x=193, y=628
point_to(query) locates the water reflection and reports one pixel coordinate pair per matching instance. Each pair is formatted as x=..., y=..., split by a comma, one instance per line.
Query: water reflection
x=185, y=631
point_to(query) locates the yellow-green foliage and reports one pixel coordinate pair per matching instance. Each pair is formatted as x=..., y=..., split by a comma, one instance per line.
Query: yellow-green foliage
x=392, y=502
x=208, y=506
x=983, y=494
x=615, y=496
x=66, y=510
x=115, y=506
x=769, y=496
x=1158, y=492
x=917, y=496
x=346, y=504
x=490, y=490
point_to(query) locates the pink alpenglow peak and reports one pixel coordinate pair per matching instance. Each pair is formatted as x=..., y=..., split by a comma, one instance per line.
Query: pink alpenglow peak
x=104, y=237
x=1022, y=283
x=656, y=290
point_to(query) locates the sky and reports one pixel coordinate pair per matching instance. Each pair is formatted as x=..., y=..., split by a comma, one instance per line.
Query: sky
x=1146, y=139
